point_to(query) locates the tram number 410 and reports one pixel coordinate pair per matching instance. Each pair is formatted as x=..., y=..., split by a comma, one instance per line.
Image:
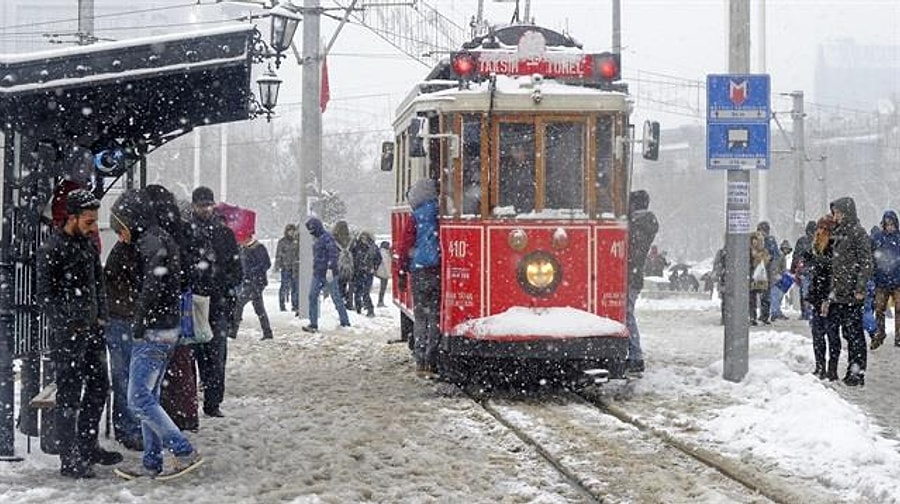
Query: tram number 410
x=458, y=249
x=617, y=249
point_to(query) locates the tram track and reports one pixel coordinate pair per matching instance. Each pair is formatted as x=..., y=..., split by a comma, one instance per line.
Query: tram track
x=610, y=455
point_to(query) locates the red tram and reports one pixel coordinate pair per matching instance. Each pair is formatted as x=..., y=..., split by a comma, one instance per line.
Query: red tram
x=530, y=139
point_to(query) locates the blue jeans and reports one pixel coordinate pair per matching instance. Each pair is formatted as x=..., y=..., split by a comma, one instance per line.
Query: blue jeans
x=290, y=287
x=634, y=336
x=149, y=358
x=118, y=342
x=775, y=297
x=314, y=290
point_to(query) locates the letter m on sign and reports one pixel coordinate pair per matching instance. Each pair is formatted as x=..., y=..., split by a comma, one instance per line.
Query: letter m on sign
x=737, y=92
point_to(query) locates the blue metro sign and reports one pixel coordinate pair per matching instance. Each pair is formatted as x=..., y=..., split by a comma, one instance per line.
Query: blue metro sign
x=738, y=108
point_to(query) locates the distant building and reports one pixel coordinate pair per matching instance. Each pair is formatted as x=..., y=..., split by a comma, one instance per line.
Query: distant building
x=857, y=76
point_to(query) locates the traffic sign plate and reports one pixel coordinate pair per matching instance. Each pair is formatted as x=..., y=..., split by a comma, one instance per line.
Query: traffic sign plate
x=738, y=97
x=737, y=145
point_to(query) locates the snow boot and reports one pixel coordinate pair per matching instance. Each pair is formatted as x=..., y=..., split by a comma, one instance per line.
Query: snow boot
x=831, y=374
x=820, y=370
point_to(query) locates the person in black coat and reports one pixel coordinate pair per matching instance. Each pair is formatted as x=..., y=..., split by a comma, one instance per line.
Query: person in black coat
x=642, y=228
x=71, y=292
x=215, y=270
x=817, y=268
x=366, y=259
x=256, y=263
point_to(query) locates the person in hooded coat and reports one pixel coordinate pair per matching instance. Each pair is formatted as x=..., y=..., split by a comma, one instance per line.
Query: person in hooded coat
x=886, y=254
x=366, y=260
x=642, y=229
x=419, y=255
x=851, y=268
x=325, y=258
x=798, y=267
x=255, y=263
x=157, y=327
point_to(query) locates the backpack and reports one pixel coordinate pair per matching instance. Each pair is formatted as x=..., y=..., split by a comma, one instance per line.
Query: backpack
x=345, y=264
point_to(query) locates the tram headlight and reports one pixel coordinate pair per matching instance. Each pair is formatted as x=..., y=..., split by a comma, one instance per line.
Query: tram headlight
x=539, y=273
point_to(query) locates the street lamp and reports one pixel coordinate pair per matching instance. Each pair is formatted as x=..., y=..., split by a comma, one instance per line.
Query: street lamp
x=284, y=25
x=269, y=84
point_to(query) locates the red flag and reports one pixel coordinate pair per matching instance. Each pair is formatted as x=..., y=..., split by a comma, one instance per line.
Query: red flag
x=324, y=91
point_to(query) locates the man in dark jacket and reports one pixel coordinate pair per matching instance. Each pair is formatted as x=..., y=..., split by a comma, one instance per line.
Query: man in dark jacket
x=215, y=269
x=851, y=267
x=71, y=291
x=886, y=252
x=255, y=263
x=325, y=258
x=287, y=261
x=642, y=228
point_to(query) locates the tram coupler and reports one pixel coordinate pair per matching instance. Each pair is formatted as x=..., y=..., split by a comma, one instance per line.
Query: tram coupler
x=595, y=376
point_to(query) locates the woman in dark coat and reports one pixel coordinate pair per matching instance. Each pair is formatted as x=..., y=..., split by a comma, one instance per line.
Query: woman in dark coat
x=817, y=265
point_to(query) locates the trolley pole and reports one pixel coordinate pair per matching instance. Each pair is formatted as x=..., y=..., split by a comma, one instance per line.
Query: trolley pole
x=310, y=141
x=737, y=238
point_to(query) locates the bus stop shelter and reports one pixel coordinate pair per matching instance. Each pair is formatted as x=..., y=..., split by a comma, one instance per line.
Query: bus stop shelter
x=60, y=109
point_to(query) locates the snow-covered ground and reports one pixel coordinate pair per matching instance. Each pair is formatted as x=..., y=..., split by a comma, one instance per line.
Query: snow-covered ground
x=339, y=417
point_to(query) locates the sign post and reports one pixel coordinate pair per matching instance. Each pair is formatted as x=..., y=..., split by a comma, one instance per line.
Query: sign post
x=738, y=111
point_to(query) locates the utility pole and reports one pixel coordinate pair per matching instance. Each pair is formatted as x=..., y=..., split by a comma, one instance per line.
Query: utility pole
x=797, y=115
x=617, y=26
x=311, y=138
x=85, y=22
x=526, y=16
x=737, y=238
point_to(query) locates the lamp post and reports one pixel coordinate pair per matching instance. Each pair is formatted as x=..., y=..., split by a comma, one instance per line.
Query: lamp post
x=284, y=25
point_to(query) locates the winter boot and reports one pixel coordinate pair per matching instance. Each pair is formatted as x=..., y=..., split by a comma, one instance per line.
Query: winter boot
x=820, y=370
x=265, y=326
x=831, y=373
x=877, y=340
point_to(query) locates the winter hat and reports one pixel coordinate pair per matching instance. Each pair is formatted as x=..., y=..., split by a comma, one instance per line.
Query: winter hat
x=80, y=200
x=640, y=200
x=786, y=247
x=203, y=196
x=763, y=226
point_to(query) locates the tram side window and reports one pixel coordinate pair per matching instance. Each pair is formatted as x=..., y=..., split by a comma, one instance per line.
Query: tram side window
x=604, y=159
x=516, y=174
x=471, y=165
x=564, y=165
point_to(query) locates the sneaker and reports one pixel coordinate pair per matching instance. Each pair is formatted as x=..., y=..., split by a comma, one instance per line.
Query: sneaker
x=183, y=465
x=130, y=473
x=854, y=380
x=105, y=457
x=877, y=340
x=310, y=329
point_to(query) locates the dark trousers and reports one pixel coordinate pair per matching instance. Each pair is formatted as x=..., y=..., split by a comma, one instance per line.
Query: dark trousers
x=211, y=356
x=255, y=296
x=362, y=293
x=382, y=288
x=848, y=319
x=426, y=291
x=824, y=331
x=290, y=289
x=82, y=385
x=178, y=394
x=764, y=303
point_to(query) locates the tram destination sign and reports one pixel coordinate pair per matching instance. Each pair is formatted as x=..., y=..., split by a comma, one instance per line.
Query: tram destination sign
x=737, y=121
x=571, y=65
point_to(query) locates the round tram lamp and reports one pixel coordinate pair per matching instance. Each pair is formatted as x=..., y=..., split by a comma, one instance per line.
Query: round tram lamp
x=284, y=25
x=463, y=64
x=539, y=273
x=268, y=90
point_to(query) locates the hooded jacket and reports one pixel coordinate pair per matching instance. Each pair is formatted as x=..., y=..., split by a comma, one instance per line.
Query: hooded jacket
x=325, y=250
x=886, y=253
x=420, y=246
x=158, y=276
x=851, y=262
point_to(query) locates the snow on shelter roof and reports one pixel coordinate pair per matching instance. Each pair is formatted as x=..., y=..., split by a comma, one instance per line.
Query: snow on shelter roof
x=125, y=59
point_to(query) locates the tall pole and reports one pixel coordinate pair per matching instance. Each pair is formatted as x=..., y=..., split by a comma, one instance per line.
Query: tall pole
x=311, y=138
x=737, y=238
x=223, y=162
x=85, y=22
x=762, y=176
x=526, y=15
x=797, y=115
x=617, y=26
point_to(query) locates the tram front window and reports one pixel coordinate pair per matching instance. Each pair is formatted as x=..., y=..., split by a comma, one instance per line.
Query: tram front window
x=563, y=166
x=517, y=167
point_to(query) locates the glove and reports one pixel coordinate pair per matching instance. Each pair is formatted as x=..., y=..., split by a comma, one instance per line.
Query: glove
x=401, y=281
x=329, y=276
